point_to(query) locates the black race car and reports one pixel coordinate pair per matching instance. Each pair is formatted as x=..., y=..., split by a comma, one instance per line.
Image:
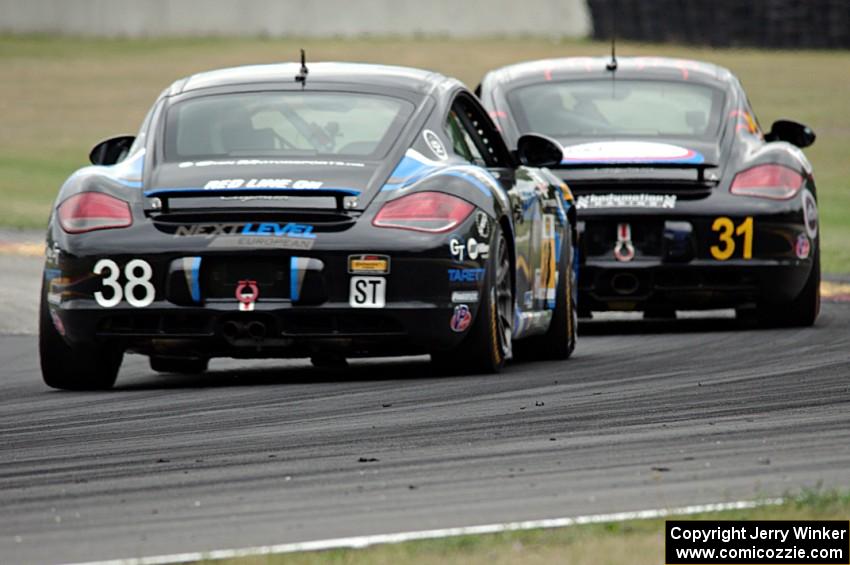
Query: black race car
x=334, y=211
x=683, y=201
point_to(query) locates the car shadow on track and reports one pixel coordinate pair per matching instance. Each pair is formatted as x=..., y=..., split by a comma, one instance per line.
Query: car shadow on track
x=687, y=325
x=369, y=370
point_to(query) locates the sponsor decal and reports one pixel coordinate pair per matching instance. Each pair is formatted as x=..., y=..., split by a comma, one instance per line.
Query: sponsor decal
x=461, y=318
x=247, y=293
x=482, y=225
x=608, y=152
x=803, y=246
x=57, y=323
x=262, y=242
x=465, y=296
x=367, y=292
x=471, y=249
x=368, y=264
x=52, y=253
x=624, y=250
x=435, y=144
x=277, y=230
x=224, y=184
x=810, y=213
x=258, y=162
x=267, y=235
x=269, y=229
x=592, y=201
x=466, y=275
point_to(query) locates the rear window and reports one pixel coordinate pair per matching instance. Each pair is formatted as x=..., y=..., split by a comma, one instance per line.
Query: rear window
x=602, y=108
x=284, y=124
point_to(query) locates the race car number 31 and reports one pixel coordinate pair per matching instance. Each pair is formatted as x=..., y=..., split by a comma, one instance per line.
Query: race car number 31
x=368, y=292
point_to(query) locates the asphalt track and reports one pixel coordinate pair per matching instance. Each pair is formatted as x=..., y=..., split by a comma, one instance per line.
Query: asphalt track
x=646, y=415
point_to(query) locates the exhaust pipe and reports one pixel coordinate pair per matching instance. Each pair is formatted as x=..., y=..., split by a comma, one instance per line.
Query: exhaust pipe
x=231, y=330
x=625, y=283
x=257, y=330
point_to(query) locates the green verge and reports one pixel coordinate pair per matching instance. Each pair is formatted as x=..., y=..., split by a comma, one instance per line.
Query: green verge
x=61, y=95
x=637, y=542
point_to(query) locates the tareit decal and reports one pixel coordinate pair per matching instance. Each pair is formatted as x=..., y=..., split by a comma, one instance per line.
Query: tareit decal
x=466, y=275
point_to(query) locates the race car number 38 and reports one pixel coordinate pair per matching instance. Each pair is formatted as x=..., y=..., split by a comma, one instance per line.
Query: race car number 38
x=137, y=289
x=368, y=292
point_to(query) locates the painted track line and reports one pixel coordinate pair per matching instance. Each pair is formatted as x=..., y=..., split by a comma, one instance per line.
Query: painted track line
x=359, y=542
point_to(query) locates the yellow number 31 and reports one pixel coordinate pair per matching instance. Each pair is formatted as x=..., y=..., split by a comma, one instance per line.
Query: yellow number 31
x=726, y=230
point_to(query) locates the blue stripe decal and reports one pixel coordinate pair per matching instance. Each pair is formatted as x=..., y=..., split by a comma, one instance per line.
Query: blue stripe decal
x=294, y=290
x=472, y=180
x=196, y=279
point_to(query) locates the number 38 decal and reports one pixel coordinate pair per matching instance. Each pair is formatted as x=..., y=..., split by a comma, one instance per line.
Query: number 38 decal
x=137, y=290
x=727, y=232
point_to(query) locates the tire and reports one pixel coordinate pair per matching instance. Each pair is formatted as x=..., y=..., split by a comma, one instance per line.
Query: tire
x=179, y=365
x=74, y=367
x=488, y=344
x=800, y=312
x=559, y=341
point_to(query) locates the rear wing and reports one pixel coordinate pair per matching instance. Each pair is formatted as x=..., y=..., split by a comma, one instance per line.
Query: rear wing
x=166, y=194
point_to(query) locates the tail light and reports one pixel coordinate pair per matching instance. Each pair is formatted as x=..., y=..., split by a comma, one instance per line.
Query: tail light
x=89, y=211
x=433, y=212
x=767, y=181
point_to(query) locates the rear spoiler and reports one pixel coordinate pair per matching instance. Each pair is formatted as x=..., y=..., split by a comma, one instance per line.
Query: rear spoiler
x=699, y=167
x=165, y=194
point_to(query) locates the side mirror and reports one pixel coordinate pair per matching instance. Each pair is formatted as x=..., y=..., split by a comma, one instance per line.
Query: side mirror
x=536, y=150
x=792, y=132
x=112, y=150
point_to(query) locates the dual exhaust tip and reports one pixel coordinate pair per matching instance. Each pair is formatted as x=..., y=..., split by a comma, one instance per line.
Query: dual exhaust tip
x=233, y=331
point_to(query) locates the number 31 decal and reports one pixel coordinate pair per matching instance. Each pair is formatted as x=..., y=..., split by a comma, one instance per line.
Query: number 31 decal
x=726, y=231
x=138, y=290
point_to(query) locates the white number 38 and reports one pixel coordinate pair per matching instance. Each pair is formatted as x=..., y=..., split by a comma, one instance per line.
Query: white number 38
x=138, y=290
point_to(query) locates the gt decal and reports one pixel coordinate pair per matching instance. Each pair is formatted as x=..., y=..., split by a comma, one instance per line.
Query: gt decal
x=472, y=249
x=727, y=231
x=368, y=292
x=138, y=290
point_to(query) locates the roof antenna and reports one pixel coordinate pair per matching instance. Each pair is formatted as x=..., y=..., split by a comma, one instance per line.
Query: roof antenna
x=612, y=64
x=303, y=72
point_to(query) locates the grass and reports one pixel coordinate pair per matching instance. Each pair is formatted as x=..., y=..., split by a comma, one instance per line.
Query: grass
x=637, y=542
x=62, y=95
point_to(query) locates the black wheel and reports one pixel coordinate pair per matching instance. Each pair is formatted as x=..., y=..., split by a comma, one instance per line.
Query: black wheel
x=488, y=344
x=559, y=341
x=73, y=367
x=179, y=365
x=800, y=312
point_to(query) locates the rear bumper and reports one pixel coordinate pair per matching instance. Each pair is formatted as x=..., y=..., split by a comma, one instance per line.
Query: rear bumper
x=698, y=285
x=304, y=298
x=271, y=330
x=675, y=263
